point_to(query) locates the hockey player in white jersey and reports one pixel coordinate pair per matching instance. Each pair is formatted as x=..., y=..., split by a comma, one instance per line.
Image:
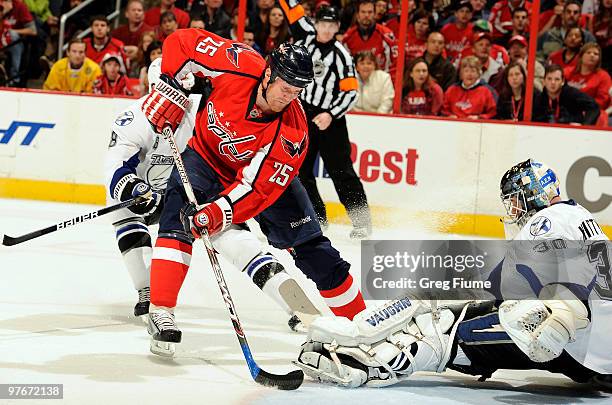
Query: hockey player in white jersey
x=139, y=162
x=561, y=324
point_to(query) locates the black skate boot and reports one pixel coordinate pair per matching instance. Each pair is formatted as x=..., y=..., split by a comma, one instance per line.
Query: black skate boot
x=164, y=332
x=142, y=306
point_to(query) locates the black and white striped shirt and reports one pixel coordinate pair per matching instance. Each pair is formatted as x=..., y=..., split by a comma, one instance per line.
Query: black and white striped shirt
x=334, y=88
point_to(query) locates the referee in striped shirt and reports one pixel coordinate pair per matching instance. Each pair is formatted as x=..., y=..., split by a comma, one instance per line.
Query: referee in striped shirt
x=326, y=100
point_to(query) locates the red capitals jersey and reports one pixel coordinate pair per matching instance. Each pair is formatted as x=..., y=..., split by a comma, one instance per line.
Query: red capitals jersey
x=479, y=100
x=381, y=42
x=255, y=156
x=456, y=39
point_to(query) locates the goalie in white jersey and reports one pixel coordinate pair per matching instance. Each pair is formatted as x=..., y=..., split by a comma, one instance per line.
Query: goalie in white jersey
x=139, y=162
x=554, y=315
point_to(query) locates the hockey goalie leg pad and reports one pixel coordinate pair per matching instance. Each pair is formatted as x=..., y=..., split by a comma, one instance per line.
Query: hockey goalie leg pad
x=169, y=266
x=134, y=242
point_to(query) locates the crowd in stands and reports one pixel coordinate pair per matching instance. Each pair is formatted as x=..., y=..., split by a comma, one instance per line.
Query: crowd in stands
x=463, y=58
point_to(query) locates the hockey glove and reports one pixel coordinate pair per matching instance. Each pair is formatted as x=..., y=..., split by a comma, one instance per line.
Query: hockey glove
x=215, y=217
x=166, y=104
x=132, y=187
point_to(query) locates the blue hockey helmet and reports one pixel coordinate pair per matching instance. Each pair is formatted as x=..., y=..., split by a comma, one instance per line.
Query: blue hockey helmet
x=527, y=188
x=292, y=63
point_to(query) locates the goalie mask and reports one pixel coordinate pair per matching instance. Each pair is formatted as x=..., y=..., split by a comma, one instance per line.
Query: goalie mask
x=527, y=188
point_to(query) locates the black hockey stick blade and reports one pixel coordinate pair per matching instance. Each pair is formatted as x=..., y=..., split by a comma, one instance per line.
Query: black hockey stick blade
x=286, y=382
x=15, y=240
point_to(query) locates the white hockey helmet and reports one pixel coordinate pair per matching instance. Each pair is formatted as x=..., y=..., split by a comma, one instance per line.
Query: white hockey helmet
x=526, y=188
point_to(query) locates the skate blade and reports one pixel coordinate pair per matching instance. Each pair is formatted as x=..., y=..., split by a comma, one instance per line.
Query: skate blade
x=163, y=349
x=145, y=319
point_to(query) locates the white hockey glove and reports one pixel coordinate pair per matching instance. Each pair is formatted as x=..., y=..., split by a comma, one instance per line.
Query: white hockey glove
x=542, y=328
x=130, y=187
x=380, y=347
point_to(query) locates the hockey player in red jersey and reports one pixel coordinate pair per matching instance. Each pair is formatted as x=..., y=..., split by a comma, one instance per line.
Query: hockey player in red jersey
x=250, y=140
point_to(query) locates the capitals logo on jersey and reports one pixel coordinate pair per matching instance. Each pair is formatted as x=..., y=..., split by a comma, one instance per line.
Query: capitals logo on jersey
x=540, y=226
x=229, y=140
x=235, y=50
x=294, y=148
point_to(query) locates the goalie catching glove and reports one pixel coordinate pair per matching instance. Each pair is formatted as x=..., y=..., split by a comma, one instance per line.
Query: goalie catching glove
x=130, y=187
x=215, y=217
x=166, y=104
x=542, y=328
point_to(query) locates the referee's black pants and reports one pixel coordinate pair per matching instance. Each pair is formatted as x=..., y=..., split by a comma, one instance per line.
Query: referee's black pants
x=335, y=149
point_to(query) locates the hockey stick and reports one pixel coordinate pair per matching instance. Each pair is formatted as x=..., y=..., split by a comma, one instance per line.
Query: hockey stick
x=14, y=240
x=290, y=381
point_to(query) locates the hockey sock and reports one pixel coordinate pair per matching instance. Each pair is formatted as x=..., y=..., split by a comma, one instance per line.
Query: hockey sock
x=171, y=259
x=134, y=243
x=345, y=300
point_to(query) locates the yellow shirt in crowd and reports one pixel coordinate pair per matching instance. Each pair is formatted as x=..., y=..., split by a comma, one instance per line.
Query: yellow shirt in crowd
x=63, y=78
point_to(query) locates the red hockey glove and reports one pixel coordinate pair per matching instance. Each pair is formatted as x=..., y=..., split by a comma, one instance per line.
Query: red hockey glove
x=215, y=217
x=166, y=104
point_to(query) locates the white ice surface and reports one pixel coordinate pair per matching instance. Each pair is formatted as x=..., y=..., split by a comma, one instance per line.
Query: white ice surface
x=65, y=317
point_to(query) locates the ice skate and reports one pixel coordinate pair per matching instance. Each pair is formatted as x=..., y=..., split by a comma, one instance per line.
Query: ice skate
x=142, y=306
x=164, y=332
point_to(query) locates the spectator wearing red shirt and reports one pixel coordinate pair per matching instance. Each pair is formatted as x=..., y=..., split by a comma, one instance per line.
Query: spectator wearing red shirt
x=520, y=25
x=393, y=16
x=421, y=94
x=553, y=18
x=16, y=22
x=367, y=35
x=472, y=98
x=416, y=41
x=111, y=81
x=153, y=15
x=568, y=55
x=552, y=39
x=457, y=34
x=381, y=10
x=497, y=52
x=590, y=78
x=167, y=25
x=131, y=33
x=501, y=15
x=100, y=42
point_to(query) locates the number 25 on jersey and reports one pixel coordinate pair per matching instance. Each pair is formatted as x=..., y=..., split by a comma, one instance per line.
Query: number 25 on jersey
x=281, y=175
x=208, y=46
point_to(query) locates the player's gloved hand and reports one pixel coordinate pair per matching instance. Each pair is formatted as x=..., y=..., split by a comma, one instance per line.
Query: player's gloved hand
x=135, y=187
x=215, y=217
x=166, y=104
